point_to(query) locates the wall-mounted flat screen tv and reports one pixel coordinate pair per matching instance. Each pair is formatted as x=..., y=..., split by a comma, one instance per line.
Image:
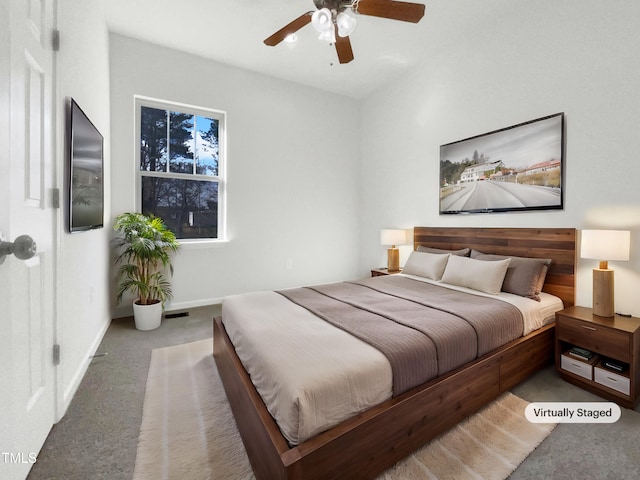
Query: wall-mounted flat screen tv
x=517, y=168
x=85, y=168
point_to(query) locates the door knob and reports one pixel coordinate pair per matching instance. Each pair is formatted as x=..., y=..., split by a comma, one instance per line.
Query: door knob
x=23, y=248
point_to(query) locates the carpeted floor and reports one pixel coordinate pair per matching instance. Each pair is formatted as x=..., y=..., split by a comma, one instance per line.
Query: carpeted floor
x=97, y=438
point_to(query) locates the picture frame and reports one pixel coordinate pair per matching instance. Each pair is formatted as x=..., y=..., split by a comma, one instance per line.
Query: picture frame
x=517, y=168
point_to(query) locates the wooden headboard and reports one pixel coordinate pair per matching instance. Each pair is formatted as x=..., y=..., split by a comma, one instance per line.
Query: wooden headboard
x=558, y=244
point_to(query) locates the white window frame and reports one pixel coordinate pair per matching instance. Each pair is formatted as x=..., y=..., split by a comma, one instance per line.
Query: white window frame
x=221, y=116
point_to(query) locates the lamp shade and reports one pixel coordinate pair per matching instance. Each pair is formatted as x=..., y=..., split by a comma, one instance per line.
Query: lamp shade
x=393, y=237
x=346, y=24
x=606, y=244
x=328, y=35
x=322, y=20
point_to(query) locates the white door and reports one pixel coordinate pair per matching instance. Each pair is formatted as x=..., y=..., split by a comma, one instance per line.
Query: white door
x=27, y=176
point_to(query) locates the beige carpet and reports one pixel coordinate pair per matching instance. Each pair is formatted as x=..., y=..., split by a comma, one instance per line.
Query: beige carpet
x=188, y=432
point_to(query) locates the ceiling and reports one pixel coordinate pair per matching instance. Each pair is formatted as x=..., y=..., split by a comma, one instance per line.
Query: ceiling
x=232, y=32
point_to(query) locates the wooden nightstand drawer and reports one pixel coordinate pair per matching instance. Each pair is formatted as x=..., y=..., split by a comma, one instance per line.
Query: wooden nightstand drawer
x=606, y=341
x=612, y=380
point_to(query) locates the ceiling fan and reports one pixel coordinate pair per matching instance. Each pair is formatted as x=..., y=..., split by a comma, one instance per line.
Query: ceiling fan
x=335, y=25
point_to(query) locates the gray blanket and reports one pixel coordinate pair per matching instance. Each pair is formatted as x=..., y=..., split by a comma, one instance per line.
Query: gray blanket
x=424, y=330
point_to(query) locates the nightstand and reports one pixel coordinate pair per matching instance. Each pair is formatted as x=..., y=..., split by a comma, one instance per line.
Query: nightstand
x=379, y=272
x=616, y=338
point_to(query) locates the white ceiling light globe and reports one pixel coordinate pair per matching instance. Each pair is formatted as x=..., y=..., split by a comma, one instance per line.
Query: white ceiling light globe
x=346, y=24
x=322, y=20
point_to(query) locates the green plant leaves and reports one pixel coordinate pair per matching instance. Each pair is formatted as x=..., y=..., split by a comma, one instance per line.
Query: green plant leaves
x=144, y=244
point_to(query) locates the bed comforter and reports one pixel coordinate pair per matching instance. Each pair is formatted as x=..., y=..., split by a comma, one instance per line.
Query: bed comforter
x=423, y=330
x=312, y=375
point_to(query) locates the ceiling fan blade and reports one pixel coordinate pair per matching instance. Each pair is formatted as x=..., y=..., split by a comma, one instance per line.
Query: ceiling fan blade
x=292, y=27
x=403, y=11
x=343, y=48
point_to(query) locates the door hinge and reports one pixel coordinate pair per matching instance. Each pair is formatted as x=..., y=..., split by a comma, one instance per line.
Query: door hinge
x=55, y=197
x=56, y=354
x=55, y=40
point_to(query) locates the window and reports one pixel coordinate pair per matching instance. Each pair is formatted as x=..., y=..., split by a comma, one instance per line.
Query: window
x=181, y=164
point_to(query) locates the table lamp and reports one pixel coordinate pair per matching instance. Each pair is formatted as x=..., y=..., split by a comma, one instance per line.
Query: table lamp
x=604, y=245
x=393, y=237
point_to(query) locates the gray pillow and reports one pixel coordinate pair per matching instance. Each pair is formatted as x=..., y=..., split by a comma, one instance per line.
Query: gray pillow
x=463, y=252
x=525, y=276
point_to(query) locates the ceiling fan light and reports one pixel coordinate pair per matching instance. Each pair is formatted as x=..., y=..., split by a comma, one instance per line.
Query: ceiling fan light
x=328, y=35
x=346, y=24
x=322, y=20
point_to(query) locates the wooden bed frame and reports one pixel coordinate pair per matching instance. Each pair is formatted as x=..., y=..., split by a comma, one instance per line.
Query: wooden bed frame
x=366, y=445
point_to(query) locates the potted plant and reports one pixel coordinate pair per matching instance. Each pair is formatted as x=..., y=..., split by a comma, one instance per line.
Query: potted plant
x=144, y=244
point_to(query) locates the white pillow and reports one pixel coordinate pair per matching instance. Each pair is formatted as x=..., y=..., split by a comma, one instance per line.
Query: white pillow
x=429, y=265
x=476, y=274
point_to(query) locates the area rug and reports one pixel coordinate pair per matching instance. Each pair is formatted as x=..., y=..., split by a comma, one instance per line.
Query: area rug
x=188, y=431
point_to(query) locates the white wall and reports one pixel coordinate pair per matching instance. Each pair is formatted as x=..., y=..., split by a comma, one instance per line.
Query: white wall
x=83, y=294
x=496, y=63
x=293, y=173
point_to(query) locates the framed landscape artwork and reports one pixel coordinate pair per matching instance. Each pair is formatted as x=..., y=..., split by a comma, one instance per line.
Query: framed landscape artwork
x=517, y=168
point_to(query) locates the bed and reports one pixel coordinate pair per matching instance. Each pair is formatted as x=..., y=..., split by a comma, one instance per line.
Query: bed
x=365, y=444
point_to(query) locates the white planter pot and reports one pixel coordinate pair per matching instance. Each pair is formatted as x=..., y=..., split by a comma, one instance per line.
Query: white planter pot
x=147, y=317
